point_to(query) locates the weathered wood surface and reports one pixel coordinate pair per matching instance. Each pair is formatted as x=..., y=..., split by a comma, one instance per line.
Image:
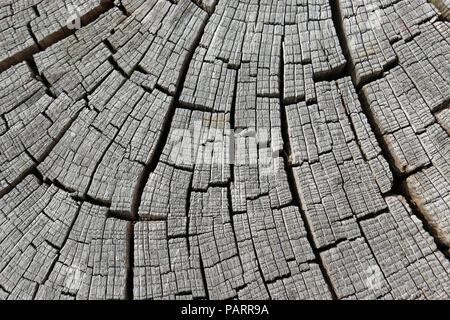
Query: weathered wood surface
x=211, y=149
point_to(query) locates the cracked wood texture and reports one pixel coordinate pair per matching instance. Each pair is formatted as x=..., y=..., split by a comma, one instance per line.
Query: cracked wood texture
x=212, y=149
